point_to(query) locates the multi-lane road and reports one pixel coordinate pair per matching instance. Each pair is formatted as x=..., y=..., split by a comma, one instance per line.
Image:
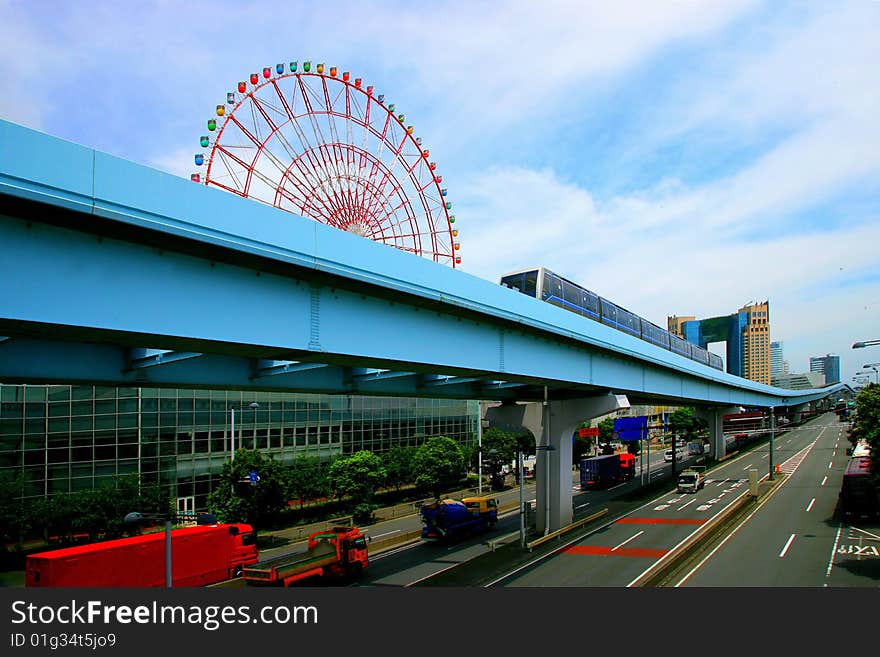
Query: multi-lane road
x=792, y=538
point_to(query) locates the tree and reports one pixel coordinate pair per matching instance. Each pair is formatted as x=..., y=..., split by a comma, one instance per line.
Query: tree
x=503, y=442
x=439, y=464
x=581, y=448
x=399, y=465
x=237, y=499
x=866, y=425
x=13, y=509
x=683, y=423
x=357, y=476
x=606, y=430
x=307, y=479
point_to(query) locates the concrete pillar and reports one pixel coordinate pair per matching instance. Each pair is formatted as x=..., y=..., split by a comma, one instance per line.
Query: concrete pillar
x=797, y=412
x=714, y=417
x=553, y=424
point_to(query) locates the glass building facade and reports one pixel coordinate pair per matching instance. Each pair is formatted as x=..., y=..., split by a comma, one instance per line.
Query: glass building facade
x=66, y=438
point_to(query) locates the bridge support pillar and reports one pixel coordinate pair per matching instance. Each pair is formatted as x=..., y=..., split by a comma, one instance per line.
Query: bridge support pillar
x=714, y=417
x=553, y=423
x=797, y=412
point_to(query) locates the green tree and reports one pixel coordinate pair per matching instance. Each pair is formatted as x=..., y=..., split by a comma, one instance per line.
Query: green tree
x=398, y=463
x=439, y=465
x=606, y=430
x=237, y=499
x=357, y=476
x=307, y=479
x=14, y=516
x=866, y=425
x=683, y=423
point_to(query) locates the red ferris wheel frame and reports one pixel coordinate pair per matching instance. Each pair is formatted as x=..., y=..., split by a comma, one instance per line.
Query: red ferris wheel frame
x=368, y=174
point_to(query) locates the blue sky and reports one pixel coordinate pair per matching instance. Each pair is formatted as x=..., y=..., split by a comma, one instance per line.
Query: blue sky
x=677, y=158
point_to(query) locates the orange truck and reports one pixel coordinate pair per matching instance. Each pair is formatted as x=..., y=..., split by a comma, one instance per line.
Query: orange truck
x=335, y=553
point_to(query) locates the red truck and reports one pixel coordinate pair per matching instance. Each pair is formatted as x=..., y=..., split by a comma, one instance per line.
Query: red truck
x=334, y=553
x=200, y=555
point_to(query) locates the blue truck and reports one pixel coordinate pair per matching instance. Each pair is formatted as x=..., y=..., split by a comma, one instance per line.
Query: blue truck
x=449, y=519
x=606, y=470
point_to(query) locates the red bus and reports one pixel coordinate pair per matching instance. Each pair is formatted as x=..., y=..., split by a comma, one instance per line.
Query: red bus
x=200, y=555
x=858, y=492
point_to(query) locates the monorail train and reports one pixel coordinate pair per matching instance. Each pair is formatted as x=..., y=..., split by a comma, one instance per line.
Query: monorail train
x=543, y=284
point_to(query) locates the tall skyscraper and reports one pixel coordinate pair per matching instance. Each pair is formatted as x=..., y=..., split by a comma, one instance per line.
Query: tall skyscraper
x=777, y=359
x=829, y=365
x=746, y=332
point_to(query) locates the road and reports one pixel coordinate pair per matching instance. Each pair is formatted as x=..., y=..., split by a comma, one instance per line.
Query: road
x=416, y=562
x=795, y=538
x=620, y=551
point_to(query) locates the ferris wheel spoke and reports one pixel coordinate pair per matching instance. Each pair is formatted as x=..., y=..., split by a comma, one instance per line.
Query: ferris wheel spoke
x=283, y=100
x=273, y=128
x=327, y=148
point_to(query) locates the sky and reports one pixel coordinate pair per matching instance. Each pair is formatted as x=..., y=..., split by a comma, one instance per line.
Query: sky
x=677, y=157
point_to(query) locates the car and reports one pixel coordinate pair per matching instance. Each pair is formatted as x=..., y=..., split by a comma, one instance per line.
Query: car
x=680, y=453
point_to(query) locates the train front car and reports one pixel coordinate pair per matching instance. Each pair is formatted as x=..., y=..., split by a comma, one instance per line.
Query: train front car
x=543, y=284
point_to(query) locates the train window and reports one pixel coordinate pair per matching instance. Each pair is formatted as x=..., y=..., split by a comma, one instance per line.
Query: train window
x=530, y=283
x=514, y=281
x=553, y=285
x=572, y=295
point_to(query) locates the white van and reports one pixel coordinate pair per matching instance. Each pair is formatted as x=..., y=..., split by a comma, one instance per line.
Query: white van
x=680, y=453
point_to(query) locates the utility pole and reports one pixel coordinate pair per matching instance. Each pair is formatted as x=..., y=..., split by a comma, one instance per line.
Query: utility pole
x=772, y=436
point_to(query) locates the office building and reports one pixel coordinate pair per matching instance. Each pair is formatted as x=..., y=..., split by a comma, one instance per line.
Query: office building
x=65, y=438
x=746, y=332
x=800, y=381
x=829, y=365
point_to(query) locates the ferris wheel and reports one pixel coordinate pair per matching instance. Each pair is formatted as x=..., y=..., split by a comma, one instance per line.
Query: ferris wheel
x=315, y=143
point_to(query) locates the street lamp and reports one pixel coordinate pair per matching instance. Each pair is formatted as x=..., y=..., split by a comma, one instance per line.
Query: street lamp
x=253, y=406
x=873, y=366
x=548, y=449
x=137, y=518
x=868, y=374
x=865, y=343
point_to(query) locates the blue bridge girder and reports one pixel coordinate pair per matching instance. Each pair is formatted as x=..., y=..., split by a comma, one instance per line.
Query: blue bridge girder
x=118, y=274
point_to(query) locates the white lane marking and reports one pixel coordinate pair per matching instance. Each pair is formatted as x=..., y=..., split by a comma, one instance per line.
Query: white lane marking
x=810, y=505
x=833, y=552
x=385, y=534
x=857, y=529
x=829, y=464
x=687, y=503
x=824, y=479
x=787, y=544
x=627, y=540
x=581, y=506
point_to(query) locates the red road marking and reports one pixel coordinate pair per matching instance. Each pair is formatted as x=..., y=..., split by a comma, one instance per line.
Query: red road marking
x=620, y=552
x=661, y=521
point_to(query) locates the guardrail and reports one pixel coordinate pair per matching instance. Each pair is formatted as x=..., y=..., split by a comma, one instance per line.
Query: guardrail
x=580, y=523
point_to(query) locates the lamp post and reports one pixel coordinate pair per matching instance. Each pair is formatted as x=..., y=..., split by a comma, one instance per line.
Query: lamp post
x=522, y=504
x=137, y=518
x=866, y=374
x=548, y=449
x=772, y=435
x=865, y=343
x=253, y=406
x=479, y=453
x=873, y=366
